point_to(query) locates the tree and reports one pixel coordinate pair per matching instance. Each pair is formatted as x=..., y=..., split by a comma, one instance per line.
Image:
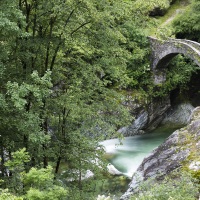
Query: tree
x=36, y=184
x=187, y=24
x=65, y=64
x=63, y=69
x=10, y=16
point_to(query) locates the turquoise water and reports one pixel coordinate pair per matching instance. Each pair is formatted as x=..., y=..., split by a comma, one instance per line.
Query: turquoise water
x=128, y=156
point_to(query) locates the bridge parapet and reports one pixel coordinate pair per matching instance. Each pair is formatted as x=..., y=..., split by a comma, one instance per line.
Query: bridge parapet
x=196, y=45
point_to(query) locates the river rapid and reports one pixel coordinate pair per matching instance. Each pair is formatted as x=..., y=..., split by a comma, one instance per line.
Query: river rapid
x=128, y=155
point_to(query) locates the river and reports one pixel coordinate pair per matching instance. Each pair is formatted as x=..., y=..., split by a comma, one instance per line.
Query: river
x=129, y=155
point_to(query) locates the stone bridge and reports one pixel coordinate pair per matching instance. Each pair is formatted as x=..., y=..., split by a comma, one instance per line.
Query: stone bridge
x=164, y=50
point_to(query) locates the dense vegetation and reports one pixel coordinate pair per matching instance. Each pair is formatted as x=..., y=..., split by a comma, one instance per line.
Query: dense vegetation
x=64, y=67
x=187, y=25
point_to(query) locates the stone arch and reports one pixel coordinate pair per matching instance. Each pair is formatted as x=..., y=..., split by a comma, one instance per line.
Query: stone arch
x=164, y=50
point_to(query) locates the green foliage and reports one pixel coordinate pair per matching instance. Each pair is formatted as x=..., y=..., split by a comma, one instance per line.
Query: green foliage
x=36, y=184
x=171, y=188
x=164, y=33
x=194, y=173
x=138, y=66
x=187, y=24
x=5, y=195
x=40, y=185
x=178, y=75
x=55, y=193
x=10, y=17
x=16, y=166
x=40, y=179
x=24, y=109
x=151, y=5
x=63, y=66
x=19, y=158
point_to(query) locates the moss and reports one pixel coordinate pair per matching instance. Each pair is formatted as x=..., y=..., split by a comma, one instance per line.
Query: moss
x=138, y=96
x=194, y=155
x=195, y=173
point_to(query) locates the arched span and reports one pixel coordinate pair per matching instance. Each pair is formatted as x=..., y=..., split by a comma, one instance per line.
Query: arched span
x=164, y=50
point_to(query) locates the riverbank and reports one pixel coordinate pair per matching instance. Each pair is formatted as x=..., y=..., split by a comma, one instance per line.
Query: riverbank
x=179, y=152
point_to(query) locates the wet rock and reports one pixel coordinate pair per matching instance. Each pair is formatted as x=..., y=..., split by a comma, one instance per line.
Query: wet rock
x=112, y=170
x=156, y=110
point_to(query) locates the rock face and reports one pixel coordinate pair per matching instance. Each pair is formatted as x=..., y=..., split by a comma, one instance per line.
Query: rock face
x=182, y=145
x=138, y=125
x=146, y=118
x=158, y=112
x=178, y=115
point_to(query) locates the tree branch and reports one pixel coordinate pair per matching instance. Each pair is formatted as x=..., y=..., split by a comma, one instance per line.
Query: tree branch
x=82, y=25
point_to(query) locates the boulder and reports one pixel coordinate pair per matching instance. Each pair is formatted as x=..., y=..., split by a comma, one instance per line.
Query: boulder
x=112, y=170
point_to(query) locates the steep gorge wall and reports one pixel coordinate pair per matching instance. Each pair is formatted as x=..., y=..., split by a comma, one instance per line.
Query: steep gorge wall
x=147, y=117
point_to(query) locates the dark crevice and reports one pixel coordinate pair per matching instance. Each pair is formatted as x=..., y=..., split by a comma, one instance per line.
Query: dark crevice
x=190, y=94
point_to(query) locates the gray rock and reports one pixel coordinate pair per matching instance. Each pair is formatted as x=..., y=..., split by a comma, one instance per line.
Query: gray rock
x=136, y=180
x=156, y=110
x=146, y=118
x=138, y=124
x=178, y=115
